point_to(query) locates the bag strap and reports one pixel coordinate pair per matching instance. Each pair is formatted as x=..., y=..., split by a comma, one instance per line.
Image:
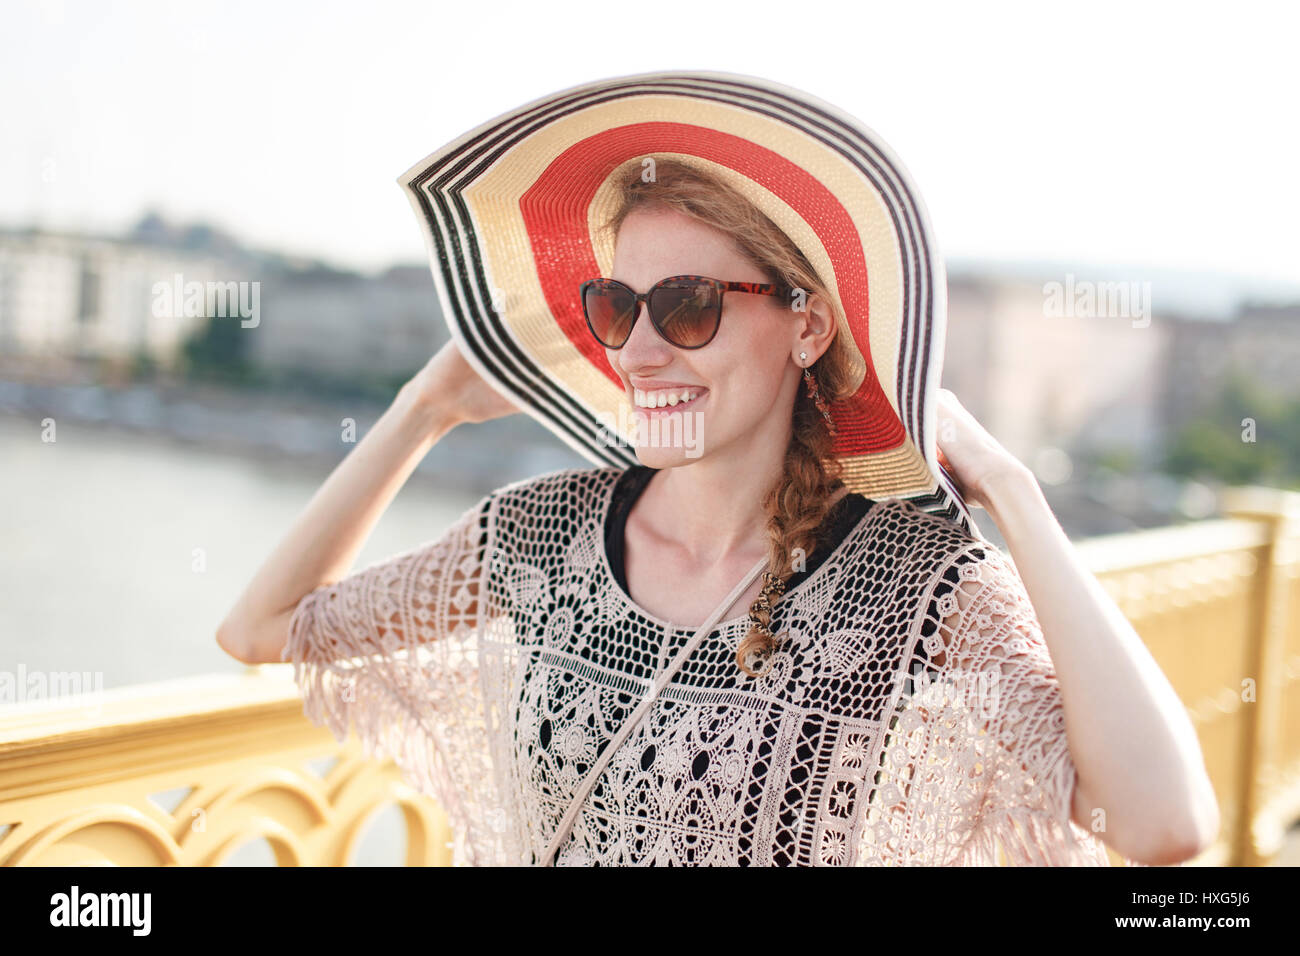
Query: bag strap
x=580, y=795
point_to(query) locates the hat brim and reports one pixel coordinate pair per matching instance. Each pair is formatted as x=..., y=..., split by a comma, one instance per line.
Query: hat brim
x=510, y=211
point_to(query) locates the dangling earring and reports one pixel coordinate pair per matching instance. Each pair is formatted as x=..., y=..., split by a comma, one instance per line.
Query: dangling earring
x=815, y=394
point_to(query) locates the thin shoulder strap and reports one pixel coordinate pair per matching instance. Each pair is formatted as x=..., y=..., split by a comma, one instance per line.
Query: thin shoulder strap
x=580, y=795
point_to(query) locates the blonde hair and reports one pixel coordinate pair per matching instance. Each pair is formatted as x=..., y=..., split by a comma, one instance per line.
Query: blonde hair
x=798, y=503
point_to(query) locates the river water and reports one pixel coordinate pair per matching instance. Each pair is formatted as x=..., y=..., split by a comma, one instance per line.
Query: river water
x=121, y=552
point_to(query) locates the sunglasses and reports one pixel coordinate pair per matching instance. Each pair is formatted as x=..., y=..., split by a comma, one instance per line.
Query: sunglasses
x=685, y=310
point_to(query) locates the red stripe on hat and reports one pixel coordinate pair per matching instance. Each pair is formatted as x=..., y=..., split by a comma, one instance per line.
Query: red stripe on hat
x=555, y=208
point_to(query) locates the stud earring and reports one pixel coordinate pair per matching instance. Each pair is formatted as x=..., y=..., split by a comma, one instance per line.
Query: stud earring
x=803, y=356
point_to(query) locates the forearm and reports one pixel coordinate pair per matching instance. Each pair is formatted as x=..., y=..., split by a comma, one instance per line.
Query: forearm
x=325, y=539
x=1134, y=748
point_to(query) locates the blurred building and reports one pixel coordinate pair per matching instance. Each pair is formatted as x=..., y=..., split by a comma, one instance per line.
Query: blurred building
x=344, y=323
x=76, y=296
x=69, y=295
x=1040, y=380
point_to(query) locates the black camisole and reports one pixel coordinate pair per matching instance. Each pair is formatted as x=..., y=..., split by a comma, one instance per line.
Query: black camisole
x=840, y=520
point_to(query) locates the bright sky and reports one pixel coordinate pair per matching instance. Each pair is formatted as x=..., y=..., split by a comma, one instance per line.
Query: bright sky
x=1158, y=135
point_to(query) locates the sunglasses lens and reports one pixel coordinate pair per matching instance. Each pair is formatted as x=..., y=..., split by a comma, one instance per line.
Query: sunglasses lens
x=610, y=311
x=686, y=312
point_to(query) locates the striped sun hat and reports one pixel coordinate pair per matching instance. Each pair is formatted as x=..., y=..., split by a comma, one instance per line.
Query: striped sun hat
x=510, y=212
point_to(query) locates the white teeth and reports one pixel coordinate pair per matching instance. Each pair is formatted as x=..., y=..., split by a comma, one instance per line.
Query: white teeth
x=662, y=399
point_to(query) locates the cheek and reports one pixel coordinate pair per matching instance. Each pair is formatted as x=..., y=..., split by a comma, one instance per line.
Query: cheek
x=757, y=345
x=750, y=364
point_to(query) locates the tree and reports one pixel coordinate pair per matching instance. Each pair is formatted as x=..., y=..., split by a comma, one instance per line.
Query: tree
x=1247, y=436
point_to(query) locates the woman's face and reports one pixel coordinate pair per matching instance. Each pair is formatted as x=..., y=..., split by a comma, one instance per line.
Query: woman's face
x=743, y=381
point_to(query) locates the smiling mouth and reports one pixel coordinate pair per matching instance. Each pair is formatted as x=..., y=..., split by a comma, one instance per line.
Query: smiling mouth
x=660, y=410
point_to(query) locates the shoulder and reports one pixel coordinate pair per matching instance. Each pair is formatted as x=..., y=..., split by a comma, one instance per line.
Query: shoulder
x=966, y=587
x=900, y=532
x=565, y=488
x=947, y=553
x=549, y=508
x=924, y=564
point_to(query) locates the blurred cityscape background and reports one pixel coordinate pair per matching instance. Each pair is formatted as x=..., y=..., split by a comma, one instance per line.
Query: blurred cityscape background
x=186, y=443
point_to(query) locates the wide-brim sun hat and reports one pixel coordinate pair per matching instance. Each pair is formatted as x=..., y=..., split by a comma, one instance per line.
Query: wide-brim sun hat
x=511, y=212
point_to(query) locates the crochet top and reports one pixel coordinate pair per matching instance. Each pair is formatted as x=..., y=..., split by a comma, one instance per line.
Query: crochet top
x=911, y=714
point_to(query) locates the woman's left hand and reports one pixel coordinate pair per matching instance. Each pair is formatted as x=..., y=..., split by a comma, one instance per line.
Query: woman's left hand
x=972, y=457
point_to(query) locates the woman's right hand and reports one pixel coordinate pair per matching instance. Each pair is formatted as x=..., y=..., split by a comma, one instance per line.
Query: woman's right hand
x=449, y=383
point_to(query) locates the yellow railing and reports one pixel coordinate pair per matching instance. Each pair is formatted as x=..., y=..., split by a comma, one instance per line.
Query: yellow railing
x=1216, y=603
x=186, y=772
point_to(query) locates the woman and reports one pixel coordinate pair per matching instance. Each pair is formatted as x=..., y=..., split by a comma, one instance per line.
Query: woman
x=889, y=698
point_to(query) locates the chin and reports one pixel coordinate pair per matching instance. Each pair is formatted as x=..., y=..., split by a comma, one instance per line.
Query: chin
x=661, y=458
x=669, y=440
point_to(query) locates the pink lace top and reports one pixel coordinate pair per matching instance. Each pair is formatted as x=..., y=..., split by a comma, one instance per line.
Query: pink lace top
x=494, y=663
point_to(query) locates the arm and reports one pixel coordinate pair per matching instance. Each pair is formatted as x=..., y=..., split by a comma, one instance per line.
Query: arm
x=1135, y=749
x=394, y=646
x=1010, y=716
x=324, y=541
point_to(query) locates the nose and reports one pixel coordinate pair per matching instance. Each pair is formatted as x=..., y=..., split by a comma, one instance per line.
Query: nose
x=644, y=347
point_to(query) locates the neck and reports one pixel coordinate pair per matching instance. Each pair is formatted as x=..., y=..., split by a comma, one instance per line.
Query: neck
x=713, y=508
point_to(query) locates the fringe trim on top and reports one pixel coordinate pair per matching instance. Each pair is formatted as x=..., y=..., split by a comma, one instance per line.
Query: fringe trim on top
x=1031, y=838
